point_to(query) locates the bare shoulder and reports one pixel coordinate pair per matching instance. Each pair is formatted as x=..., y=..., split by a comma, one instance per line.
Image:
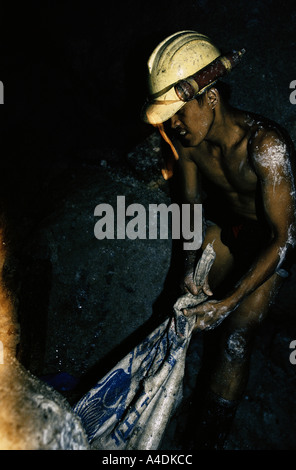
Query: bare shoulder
x=190, y=154
x=270, y=148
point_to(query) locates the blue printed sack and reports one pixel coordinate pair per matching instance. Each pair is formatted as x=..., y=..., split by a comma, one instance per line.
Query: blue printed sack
x=130, y=407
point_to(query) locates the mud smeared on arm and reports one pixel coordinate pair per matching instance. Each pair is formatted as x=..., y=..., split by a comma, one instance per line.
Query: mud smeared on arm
x=272, y=160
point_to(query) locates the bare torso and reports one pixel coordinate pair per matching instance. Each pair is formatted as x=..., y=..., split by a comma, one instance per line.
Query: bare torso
x=243, y=164
x=232, y=170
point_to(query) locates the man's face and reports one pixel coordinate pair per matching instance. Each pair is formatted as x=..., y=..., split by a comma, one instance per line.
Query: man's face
x=192, y=123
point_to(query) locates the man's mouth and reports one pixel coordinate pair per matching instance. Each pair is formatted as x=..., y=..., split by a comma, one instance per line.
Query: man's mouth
x=180, y=132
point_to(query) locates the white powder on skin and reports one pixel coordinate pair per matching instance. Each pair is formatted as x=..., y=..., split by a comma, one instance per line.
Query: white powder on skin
x=291, y=235
x=291, y=240
x=282, y=253
x=275, y=158
x=236, y=346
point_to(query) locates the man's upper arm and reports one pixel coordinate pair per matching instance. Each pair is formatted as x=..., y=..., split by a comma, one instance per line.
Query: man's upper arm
x=189, y=176
x=271, y=160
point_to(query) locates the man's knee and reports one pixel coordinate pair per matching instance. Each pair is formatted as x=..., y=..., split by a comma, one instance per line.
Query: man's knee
x=238, y=345
x=241, y=328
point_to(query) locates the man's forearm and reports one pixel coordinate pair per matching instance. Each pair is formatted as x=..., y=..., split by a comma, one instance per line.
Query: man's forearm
x=260, y=271
x=190, y=256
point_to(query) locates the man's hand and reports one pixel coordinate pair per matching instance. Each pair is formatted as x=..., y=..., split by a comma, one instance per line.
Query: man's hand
x=211, y=313
x=189, y=285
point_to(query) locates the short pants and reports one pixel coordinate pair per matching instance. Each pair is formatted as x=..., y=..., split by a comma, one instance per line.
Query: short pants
x=244, y=237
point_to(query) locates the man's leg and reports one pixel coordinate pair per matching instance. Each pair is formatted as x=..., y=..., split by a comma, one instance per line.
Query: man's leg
x=223, y=379
x=230, y=374
x=224, y=261
x=220, y=272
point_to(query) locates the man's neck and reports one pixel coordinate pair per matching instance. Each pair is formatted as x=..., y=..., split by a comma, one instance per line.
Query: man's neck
x=226, y=130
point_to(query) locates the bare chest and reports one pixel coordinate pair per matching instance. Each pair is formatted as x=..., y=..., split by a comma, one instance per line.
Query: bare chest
x=232, y=172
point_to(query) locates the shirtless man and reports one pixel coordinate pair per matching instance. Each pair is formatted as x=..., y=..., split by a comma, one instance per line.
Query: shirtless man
x=248, y=162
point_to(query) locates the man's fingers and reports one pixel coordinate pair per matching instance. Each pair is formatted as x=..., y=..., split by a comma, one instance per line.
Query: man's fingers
x=203, y=310
x=192, y=289
x=206, y=287
x=189, y=311
x=207, y=290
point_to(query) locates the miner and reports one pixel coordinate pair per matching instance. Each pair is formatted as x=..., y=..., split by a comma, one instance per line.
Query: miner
x=241, y=167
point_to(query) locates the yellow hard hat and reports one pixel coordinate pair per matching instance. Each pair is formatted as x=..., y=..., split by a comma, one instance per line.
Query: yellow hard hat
x=177, y=57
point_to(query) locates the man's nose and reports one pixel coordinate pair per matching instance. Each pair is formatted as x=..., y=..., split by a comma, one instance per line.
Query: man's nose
x=175, y=122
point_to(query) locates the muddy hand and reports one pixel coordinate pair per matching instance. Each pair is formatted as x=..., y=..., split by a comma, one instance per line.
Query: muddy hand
x=209, y=314
x=189, y=286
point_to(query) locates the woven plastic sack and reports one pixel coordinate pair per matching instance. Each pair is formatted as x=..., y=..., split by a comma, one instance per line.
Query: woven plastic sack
x=131, y=406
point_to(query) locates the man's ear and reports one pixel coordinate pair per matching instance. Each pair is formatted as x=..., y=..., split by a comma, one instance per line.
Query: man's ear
x=213, y=97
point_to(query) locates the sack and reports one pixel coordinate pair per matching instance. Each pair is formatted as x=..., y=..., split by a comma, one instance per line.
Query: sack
x=131, y=406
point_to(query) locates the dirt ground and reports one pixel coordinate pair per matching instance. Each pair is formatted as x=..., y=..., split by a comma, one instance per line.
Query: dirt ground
x=75, y=141
x=103, y=296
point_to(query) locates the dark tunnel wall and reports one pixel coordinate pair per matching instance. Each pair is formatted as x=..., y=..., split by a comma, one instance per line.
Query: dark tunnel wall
x=75, y=79
x=74, y=73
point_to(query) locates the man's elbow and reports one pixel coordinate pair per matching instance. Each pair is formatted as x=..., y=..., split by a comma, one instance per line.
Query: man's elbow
x=286, y=252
